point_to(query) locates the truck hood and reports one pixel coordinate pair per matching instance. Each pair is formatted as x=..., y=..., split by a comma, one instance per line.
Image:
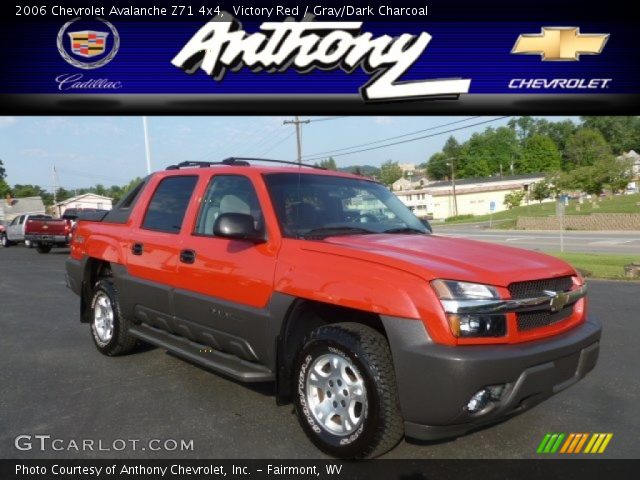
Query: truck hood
x=434, y=256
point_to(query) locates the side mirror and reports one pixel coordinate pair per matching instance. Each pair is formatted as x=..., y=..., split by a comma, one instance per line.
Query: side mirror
x=239, y=226
x=426, y=223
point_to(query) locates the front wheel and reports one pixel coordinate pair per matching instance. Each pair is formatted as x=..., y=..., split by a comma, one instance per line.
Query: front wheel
x=345, y=391
x=5, y=241
x=109, y=329
x=43, y=248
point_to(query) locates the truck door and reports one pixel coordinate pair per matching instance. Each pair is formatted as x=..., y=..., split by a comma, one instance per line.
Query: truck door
x=225, y=284
x=152, y=251
x=15, y=232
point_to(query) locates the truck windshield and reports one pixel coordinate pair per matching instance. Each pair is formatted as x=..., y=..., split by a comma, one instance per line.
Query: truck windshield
x=311, y=206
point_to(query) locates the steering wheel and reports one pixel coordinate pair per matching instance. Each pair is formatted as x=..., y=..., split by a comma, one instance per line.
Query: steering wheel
x=368, y=218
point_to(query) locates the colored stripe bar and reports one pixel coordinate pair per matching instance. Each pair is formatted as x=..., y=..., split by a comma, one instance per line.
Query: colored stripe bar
x=554, y=449
x=543, y=443
x=605, y=443
x=568, y=442
x=593, y=439
x=550, y=443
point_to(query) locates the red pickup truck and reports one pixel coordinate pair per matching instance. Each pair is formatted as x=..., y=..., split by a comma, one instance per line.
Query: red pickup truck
x=328, y=285
x=46, y=233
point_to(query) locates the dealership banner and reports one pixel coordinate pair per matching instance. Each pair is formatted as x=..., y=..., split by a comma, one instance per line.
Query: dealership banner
x=410, y=56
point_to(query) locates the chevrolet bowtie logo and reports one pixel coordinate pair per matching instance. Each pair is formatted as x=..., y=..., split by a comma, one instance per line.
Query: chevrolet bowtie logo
x=558, y=300
x=560, y=43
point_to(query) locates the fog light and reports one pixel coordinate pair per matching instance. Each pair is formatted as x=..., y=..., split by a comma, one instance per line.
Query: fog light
x=482, y=398
x=479, y=400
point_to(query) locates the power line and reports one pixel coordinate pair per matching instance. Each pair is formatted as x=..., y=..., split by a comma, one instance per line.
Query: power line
x=393, y=138
x=278, y=143
x=326, y=119
x=410, y=140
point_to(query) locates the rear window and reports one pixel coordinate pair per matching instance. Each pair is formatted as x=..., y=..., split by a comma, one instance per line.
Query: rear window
x=169, y=203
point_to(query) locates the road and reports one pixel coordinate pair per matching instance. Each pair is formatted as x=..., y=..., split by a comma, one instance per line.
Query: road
x=54, y=382
x=625, y=243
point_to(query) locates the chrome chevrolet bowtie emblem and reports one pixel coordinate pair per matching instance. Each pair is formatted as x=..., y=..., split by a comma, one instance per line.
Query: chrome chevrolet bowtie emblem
x=560, y=43
x=558, y=300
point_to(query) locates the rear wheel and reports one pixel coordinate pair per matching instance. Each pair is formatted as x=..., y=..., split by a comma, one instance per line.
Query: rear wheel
x=28, y=243
x=109, y=329
x=346, y=396
x=44, y=248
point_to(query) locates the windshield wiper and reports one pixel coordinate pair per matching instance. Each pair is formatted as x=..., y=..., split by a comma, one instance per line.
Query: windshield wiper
x=405, y=230
x=339, y=230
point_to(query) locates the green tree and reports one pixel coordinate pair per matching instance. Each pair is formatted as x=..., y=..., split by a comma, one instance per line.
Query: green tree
x=514, y=199
x=621, y=133
x=524, y=127
x=329, y=164
x=541, y=191
x=27, y=191
x=389, y=172
x=540, y=154
x=3, y=172
x=488, y=153
x=4, y=189
x=590, y=179
x=619, y=174
x=586, y=147
x=437, y=167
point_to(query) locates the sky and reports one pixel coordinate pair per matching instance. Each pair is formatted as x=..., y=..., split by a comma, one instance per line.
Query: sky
x=111, y=151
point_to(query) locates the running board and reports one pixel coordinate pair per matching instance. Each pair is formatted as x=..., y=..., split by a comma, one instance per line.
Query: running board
x=203, y=355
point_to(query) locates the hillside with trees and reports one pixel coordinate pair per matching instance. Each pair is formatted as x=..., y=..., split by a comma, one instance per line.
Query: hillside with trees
x=575, y=156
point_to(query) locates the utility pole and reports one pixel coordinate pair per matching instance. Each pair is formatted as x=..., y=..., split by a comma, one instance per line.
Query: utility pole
x=297, y=122
x=451, y=162
x=147, y=148
x=55, y=189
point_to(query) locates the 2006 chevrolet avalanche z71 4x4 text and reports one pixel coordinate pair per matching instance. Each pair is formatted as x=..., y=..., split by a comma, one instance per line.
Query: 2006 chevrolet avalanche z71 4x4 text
x=328, y=285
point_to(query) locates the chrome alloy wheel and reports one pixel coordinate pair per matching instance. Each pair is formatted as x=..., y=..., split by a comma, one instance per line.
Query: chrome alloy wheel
x=103, y=319
x=336, y=394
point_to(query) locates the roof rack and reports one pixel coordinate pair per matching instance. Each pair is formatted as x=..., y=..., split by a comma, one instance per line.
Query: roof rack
x=238, y=161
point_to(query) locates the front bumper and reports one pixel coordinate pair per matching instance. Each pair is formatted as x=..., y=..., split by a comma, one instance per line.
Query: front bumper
x=435, y=382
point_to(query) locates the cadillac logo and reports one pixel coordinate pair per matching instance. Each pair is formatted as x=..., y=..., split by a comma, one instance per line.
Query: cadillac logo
x=88, y=44
x=558, y=300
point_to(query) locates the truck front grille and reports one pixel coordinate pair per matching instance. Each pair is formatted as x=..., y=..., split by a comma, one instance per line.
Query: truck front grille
x=536, y=288
x=531, y=320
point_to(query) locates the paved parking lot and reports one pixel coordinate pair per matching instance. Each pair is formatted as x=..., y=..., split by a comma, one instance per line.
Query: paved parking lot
x=54, y=382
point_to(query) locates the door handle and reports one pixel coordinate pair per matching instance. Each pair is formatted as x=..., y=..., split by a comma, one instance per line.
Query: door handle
x=137, y=249
x=187, y=256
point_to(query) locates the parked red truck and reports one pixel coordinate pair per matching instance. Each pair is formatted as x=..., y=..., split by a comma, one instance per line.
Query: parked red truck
x=46, y=233
x=328, y=285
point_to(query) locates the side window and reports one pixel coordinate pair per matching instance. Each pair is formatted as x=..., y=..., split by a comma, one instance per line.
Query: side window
x=15, y=221
x=169, y=203
x=21, y=221
x=228, y=194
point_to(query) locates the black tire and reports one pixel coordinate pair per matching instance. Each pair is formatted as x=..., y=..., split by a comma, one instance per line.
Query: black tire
x=121, y=341
x=43, y=248
x=367, y=350
x=5, y=241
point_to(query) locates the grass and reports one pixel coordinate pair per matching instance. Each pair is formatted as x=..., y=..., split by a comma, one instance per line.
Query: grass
x=599, y=265
x=609, y=204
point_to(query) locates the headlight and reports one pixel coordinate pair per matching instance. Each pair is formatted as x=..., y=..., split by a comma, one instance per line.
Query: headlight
x=452, y=290
x=452, y=293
